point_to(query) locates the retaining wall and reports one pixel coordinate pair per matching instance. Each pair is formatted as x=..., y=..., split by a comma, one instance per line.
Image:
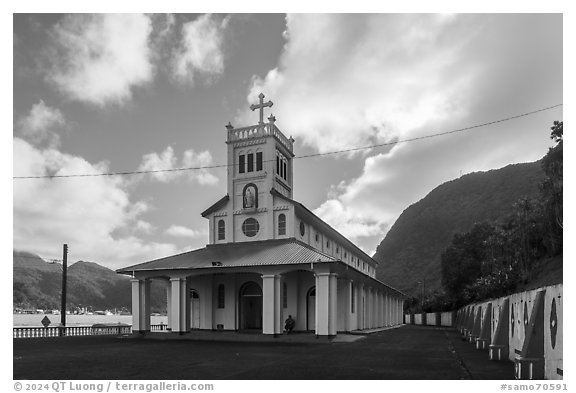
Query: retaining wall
x=526, y=328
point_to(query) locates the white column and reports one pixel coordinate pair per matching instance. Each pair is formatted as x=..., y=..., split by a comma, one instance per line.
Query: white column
x=180, y=305
x=278, y=325
x=368, y=316
x=361, y=306
x=326, y=304
x=169, y=304
x=140, y=305
x=367, y=324
x=383, y=309
x=388, y=313
x=347, y=299
x=322, y=303
x=392, y=312
x=380, y=323
x=333, y=304
x=394, y=305
x=375, y=309
x=271, y=303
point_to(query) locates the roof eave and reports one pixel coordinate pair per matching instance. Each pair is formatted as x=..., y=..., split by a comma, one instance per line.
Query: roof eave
x=216, y=206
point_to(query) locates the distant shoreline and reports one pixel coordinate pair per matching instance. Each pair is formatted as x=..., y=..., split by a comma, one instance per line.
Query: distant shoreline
x=35, y=320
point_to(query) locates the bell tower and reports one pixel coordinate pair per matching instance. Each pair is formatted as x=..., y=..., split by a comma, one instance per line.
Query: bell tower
x=259, y=160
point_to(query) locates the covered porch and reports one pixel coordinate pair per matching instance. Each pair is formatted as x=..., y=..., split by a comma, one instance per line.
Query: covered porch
x=254, y=287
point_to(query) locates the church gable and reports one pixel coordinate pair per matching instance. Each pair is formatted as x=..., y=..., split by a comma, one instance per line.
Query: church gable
x=217, y=207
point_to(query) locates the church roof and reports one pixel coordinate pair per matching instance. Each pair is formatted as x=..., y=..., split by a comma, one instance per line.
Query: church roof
x=303, y=211
x=258, y=253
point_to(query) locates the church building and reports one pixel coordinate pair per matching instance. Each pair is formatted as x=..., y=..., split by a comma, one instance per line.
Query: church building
x=268, y=257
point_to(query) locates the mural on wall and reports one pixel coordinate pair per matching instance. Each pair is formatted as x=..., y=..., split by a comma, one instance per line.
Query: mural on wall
x=553, y=324
x=250, y=196
x=512, y=320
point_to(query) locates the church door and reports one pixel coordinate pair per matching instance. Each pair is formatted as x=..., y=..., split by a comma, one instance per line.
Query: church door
x=194, y=309
x=250, y=306
x=311, y=309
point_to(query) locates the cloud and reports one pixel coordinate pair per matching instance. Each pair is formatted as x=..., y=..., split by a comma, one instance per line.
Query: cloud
x=83, y=212
x=358, y=79
x=144, y=227
x=182, y=231
x=41, y=123
x=347, y=81
x=200, y=50
x=168, y=161
x=351, y=223
x=100, y=58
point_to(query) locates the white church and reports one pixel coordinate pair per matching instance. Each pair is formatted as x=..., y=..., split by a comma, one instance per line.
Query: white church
x=268, y=257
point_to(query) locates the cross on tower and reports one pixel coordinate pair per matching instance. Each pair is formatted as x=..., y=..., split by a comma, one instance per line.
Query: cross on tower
x=261, y=106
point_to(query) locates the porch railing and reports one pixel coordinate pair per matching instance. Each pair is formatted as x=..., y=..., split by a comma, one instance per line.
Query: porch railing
x=69, y=331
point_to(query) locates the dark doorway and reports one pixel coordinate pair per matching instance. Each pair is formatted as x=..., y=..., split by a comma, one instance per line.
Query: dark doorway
x=250, y=306
x=311, y=309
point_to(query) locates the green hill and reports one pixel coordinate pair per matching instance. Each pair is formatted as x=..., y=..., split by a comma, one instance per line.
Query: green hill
x=410, y=252
x=38, y=284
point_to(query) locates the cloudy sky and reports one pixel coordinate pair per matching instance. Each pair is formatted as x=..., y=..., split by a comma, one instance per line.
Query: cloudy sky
x=115, y=93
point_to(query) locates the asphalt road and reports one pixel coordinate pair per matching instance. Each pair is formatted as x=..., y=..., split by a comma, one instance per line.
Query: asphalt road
x=407, y=353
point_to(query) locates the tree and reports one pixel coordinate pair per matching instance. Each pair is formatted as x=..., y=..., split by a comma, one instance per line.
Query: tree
x=464, y=260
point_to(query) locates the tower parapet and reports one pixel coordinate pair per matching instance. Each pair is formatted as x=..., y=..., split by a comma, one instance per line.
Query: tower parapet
x=258, y=131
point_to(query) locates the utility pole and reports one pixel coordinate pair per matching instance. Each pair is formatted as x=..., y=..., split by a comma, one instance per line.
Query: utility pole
x=63, y=304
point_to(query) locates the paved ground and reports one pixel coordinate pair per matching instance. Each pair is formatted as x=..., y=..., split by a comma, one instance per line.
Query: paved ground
x=410, y=352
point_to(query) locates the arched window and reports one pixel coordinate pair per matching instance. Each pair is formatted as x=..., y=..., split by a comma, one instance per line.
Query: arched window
x=258, y=160
x=302, y=228
x=250, y=159
x=241, y=163
x=277, y=163
x=221, y=296
x=282, y=224
x=221, y=230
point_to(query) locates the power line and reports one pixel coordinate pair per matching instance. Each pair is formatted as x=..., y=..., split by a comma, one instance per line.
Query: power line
x=298, y=157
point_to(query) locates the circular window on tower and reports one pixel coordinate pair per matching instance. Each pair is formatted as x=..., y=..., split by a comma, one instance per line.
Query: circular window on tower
x=302, y=228
x=250, y=227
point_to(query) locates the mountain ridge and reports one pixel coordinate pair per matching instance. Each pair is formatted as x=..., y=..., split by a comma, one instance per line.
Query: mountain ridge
x=409, y=254
x=38, y=284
